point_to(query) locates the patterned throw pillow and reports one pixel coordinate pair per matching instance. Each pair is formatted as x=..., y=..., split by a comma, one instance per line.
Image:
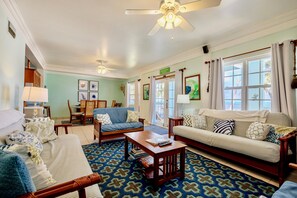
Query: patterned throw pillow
x=104, y=119
x=132, y=116
x=276, y=132
x=224, y=126
x=39, y=119
x=39, y=173
x=257, y=131
x=44, y=130
x=199, y=121
x=187, y=120
x=23, y=137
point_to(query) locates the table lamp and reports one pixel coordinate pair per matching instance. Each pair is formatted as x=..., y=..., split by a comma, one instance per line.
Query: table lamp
x=35, y=94
x=182, y=99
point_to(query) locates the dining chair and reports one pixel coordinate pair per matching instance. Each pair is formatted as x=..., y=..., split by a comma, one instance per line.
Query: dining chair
x=75, y=115
x=113, y=103
x=101, y=103
x=88, y=113
x=82, y=105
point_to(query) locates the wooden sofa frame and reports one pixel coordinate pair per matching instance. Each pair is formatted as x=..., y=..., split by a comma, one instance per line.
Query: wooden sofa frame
x=112, y=134
x=78, y=184
x=278, y=169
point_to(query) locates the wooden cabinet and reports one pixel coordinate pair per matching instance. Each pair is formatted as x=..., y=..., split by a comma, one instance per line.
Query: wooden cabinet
x=32, y=76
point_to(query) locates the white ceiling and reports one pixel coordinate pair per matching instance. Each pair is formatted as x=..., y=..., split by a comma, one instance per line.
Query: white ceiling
x=72, y=35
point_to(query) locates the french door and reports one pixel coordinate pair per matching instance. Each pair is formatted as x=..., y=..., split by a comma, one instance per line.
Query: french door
x=164, y=103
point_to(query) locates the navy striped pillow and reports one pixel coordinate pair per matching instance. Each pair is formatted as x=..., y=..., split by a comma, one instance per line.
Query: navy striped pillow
x=224, y=126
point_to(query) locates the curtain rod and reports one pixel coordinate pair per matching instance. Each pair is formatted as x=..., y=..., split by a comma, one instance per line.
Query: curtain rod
x=164, y=75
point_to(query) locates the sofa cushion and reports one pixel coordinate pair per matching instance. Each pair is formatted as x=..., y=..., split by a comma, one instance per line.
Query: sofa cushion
x=210, y=122
x=121, y=126
x=241, y=127
x=66, y=161
x=224, y=126
x=262, y=150
x=23, y=137
x=199, y=135
x=132, y=116
x=15, y=178
x=257, y=131
x=117, y=115
x=40, y=175
x=104, y=119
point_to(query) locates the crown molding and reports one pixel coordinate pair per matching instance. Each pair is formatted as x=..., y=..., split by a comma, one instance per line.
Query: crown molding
x=84, y=71
x=14, y=13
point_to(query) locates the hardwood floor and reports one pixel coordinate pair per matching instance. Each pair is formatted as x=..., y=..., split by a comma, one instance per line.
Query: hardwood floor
x=85, y=134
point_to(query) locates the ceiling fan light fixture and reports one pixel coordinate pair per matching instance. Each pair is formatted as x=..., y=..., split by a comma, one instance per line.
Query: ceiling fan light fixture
x=162, y=21
x=101, y=70
x=178, y=20
x=169, y=25
x=170, y=17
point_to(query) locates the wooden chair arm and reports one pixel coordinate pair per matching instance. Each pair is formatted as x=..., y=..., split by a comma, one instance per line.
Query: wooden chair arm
x=174, y=122
x=65, y=126
x=97, y=125
x=141, y=120
x=78, y=184
x=288, y=136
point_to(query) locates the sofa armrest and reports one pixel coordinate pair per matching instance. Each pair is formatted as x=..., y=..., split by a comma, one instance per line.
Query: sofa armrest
x=78, y=184
x=174, y=122
x=65, y=126
x=141, y=120
x=97, y=125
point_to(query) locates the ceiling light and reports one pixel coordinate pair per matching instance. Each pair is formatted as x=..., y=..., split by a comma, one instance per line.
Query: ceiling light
x=101, y=70
x=162, y=21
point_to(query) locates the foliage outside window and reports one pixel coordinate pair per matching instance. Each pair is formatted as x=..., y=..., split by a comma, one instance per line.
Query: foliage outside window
x=247, y=84
x=131, y=94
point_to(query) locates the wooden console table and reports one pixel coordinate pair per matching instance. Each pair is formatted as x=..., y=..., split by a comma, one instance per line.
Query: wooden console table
x=169, y=168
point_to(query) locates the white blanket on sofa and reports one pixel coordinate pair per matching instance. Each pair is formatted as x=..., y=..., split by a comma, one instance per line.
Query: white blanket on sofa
x=247, y=116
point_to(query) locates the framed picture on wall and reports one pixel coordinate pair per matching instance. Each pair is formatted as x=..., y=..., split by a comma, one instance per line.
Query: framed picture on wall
x=82, y=95
x=83, y=85
x=94, y=85
x=93, y=95
x=146, y=91
x=192, y=87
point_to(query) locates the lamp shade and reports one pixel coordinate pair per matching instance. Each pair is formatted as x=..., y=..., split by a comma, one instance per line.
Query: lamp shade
x=35, y=94
x=183, y=99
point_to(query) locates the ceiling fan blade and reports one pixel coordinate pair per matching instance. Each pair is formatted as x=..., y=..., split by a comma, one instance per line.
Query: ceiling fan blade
x=155, y=29
x=186, y=25
x=197, y=5
x=141, y=11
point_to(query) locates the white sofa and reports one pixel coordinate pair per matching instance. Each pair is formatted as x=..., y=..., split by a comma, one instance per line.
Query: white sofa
x=63, y=157
x=263, y=155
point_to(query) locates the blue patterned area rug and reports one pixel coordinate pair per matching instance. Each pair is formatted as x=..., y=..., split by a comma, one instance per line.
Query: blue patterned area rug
x=203, y=177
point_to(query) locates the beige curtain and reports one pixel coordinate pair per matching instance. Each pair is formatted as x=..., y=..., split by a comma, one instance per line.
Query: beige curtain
x=152, y=99
x=216, y=85
x=283, y=97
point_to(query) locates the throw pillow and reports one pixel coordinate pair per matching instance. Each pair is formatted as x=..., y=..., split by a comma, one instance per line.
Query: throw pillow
x=44, y=130
x=104, y=119
x=257, y=131
x=132, y=116
x=39, y=119
x=15, y=179
x=187, y=120
x=40, y=175
x=276, y=132
x=199, y=121
x=23, y=137
x=224, y=126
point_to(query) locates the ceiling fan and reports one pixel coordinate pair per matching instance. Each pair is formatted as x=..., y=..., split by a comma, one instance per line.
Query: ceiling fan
x=170, y=10
x=101, y=68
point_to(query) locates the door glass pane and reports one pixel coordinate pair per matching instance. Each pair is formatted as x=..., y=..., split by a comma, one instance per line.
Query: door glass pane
x=160, y=102
x=171, y=93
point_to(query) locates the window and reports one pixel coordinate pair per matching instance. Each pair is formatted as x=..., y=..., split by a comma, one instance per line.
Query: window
x=247, y=84
x=131, y=94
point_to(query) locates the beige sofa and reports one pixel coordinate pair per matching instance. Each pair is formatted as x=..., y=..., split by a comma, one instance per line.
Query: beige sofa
x=263, y=155
x=63, y=157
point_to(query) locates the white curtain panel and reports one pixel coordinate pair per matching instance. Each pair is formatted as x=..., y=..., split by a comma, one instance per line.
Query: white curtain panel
x=127, y=95
x=216, y=85
x=137, y=96
x=283, y=97
x=178, y=90
x=152, y=99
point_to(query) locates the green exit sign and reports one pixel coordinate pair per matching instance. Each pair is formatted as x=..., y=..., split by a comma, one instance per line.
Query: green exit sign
x=165, y=70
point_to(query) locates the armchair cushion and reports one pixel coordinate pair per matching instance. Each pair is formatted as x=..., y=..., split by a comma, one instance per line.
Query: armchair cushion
x=15, y=178
x=121, y=126
x=117, y=115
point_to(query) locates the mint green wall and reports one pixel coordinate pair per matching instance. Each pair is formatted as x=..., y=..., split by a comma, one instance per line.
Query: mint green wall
x=63, y=86
x=197, y=66
x=12, y=61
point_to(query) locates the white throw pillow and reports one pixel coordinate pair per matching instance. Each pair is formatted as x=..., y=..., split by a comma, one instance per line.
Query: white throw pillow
x=23, y=137
x=257, y=131
x=39, y=173
x=104, y=119
x=132, y=116
x=199, y=121
x=44, y=130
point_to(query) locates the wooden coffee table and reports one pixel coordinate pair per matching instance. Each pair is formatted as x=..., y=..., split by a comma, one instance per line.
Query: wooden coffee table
x=169, y=168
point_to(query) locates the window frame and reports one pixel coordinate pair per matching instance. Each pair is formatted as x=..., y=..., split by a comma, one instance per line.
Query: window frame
x=130, y=93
